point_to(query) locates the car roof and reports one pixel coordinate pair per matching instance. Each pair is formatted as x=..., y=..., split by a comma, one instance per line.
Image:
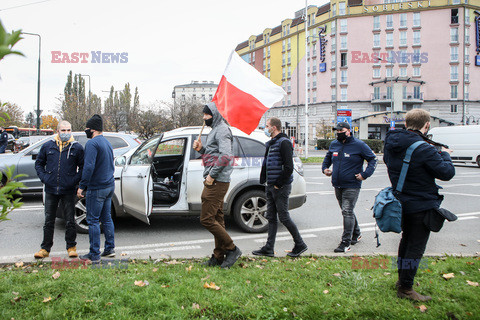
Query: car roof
x=257, y=134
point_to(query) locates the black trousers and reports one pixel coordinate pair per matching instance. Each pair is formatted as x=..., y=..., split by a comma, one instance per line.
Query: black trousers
x=68, y=207
x=412, y=246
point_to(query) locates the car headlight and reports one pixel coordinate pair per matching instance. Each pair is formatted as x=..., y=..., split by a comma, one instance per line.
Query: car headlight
x=298, y=165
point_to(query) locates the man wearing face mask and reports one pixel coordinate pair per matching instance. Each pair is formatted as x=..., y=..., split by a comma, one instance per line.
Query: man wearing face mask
x=3, y=140
x=347, y=155
x=59, y=166
x=217, y=158
x=98, y=179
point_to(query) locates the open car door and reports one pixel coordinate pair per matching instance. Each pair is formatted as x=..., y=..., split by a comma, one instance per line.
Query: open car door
x=137, y=184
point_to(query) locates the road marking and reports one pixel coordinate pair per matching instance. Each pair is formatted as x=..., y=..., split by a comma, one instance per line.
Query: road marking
x=26, y=208
x=462, y=194
x=467, y=218
x=304, y=236
x=315, y=183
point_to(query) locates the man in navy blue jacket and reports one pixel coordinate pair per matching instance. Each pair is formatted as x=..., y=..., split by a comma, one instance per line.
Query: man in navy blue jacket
x=347, y=155
x=98, y=179
x=59, y=166
x=419, y=196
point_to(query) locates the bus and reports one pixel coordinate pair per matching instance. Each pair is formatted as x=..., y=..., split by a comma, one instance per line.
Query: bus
x=26, y=132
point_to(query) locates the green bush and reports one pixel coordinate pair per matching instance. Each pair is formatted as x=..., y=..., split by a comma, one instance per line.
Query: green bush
x=375, y=144
x=324, y=144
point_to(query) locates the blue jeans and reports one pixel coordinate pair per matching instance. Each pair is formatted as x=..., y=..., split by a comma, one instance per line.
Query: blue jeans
x=99, y=203
x=3, y=148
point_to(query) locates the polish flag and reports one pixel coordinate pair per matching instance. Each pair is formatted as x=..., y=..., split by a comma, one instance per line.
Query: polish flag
x=244, y=94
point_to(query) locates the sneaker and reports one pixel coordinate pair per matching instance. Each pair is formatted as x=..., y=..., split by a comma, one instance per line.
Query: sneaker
x=409, y=293
x=297, y=250
x=263, y=252
x=108, y=254
x=356, y=240
x=231, y=257
x=72, y=252
x=342, y=247
x=212, y=262
x=88, y=256
x=41, y=254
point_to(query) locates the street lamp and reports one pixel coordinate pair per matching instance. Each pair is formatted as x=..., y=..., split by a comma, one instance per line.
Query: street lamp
x=391, y=96
x=89, y=91
x=38, y=80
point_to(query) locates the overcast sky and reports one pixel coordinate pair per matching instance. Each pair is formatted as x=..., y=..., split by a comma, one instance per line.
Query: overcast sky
x=168, y=43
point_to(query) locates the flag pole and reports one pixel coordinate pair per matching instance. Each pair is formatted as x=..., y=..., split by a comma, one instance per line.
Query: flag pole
x=306, y=79
x=201, y=130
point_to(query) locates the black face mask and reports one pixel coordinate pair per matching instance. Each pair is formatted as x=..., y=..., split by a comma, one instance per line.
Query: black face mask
x=89, y=133
x=209, y=122
x=341, y=136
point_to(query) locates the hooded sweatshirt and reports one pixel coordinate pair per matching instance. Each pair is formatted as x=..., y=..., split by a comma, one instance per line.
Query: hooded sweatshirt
x=420, y=192
x=218, y=151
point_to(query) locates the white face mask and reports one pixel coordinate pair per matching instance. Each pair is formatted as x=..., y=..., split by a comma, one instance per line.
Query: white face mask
x=267, y=133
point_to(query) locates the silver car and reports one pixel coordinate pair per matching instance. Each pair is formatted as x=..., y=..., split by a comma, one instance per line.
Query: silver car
x=164, y=176
x=24, y=161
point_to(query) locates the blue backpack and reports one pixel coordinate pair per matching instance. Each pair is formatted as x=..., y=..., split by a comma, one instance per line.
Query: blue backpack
x=387, y=210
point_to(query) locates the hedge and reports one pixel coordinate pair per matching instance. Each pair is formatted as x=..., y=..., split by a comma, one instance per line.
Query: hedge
x=375, y=144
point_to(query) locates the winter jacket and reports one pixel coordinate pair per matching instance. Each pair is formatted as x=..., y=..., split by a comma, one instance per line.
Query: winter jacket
x=277, y=167
x=347, y=159
x=60, y=172
x=217, y=154
x=420, y=192
x=99, y=168
x=3, y=139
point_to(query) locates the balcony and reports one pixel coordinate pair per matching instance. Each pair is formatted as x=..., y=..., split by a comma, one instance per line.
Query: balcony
x=413, y=97
x=408, y=97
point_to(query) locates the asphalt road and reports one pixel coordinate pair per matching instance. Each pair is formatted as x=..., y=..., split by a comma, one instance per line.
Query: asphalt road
x=319, y=221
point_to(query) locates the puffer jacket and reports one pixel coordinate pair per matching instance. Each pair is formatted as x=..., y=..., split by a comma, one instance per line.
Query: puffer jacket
x=420, y=192
x=60, y=172
x=217, y=154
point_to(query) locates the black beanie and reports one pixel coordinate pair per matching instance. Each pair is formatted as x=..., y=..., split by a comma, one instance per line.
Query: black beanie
x=95, y=123
x=207, y=110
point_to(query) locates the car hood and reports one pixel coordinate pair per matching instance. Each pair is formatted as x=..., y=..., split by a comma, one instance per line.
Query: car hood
x=8, y=159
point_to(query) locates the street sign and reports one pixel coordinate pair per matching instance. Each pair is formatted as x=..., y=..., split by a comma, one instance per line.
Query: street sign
x=392, y=125
x=477, y=61
x=322, y=67
x=344, y=115
x=356, y=129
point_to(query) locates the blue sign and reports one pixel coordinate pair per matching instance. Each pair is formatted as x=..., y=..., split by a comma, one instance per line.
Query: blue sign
x=322, y=43
x=345, y=119
x=392, y=125
x=322, y=67
x=477, y=60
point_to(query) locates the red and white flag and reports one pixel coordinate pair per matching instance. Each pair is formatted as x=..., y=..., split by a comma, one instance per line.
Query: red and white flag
x=244, y=94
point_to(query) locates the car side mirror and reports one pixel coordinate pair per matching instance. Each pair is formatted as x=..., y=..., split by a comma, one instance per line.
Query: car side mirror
x=120, y=161
x=34, y=155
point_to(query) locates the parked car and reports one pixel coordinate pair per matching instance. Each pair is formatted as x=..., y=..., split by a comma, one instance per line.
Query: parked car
x=10, y=143
x=24, y=161
x=164, y=176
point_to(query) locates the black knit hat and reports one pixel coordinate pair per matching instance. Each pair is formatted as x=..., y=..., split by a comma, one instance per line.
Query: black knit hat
x=95, y=123
x=207, y=110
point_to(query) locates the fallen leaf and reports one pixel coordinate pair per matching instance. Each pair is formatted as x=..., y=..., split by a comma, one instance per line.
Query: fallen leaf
x=165, y=286
x=259, y=266
x=141, y=283
x=248, y=281
x=264, y=260
x=88, y=300
x=337, y=275
x=470, y=263
x=155, y=269
x=195, y=306
x=448, y=276
x=144, y=261
x=260, y=297
x=285, y=309
x=387, y=274
x=56, y=275
x=109, y=304
x=471, y=283
x=208, y=276
x=282, y=291
x=19, y=264
x=189, y=268
x=211, y=285
x=422, y=308
x=463, y=245
x=15, y=293
x=123, y=254
x=462, y=273
x=325, y=291
x=16, y=299
x=329, y=284
x=45, y=300
x=183, y=308
x=34, y=271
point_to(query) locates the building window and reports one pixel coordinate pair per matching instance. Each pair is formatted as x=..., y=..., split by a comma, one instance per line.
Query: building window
x=453, y=92
x=454, y=35
x=344, y=76
x=343, y=94
x=389, y=40
x=334, y=94
x=467, y=16
x=453, y=108
x=376, y=93
x=389, y=21
x=416, y=92
x=343, y=42
x=466, y=93
x=453, y=73
x=389, y=72
x=289, y=45
x=467, y=57
x=389, y=92
x=343, y=25
x=334, y=44
x=334, y=78
x=343, y=62
x=416, y=19
x=416, y=56
x=455, y=1
x=454, y=54
x=403, y=38
x=416, y=71
x=283, y=59
x=334, y=10
x=283, y=45
x=376, y=40
x=404, y=91
x=289, y=74
x=341, y=8
x=403, y=72
x=376, y=72
x=334, y=60
x=416, y=37
x=333, y=27
x=376, y=22
x=403, y=20
x=466, y=74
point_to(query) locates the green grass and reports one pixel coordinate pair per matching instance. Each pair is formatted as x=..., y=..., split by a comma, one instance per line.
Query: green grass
x=312, y=160
x=253, y=289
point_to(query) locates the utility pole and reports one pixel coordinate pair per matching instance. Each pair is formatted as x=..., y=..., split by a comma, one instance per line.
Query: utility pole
x=38, y=111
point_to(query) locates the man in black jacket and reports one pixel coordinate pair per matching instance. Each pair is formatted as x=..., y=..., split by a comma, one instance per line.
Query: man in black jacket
x=420, y=193
x=59, y=166
x=277, y=172
x=3, y=140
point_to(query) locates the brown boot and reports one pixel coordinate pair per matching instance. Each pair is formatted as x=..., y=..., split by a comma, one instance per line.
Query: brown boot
x=409, y=293
x=41, y=254
x=72, y=252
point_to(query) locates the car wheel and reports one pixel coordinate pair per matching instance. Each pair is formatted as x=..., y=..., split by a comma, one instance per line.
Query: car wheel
x=249, y=211
x=478, y=161
x=81, y=216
